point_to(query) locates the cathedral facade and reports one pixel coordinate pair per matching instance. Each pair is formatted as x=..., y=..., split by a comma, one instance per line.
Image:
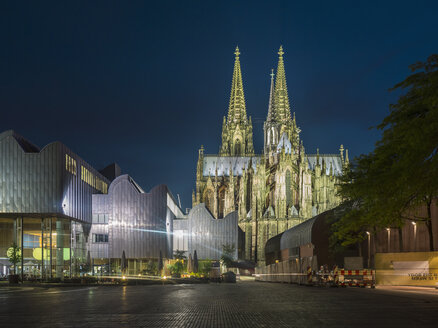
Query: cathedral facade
x=272, y=191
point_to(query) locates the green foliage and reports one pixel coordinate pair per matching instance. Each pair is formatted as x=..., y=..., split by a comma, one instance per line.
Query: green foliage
x=14, y=255
x=228, y=254
x=401, y=173
x=179, y=255
x=151, y=268
x=176, y=269
x=205, y=267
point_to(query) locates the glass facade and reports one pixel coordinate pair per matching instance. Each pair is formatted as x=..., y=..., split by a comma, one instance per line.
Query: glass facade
x=50, y=247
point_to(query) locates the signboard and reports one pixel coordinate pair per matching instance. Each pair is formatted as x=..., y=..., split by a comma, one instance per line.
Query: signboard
x=407, y=269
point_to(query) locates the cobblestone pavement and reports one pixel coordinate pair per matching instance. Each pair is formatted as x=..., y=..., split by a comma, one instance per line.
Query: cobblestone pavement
x=245, y=304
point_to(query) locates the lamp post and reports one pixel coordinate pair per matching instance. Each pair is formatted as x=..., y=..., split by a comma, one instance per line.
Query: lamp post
x=389, y=238
x=415, y=235
x=369, y=248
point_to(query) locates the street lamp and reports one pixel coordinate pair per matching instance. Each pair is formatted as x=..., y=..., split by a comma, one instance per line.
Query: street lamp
x=389, y=238
x=369, y=248
x=415, y=234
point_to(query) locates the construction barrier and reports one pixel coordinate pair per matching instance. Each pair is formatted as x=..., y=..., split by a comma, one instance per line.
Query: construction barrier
x=355, y=278
x=298, y=271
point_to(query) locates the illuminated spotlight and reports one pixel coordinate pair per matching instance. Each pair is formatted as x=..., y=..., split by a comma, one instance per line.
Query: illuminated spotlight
x=414, y=223
x=367, y=232
x=164, y=277
x=123, y=277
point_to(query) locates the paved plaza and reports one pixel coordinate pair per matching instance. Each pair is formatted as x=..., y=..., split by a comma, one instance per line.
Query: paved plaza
x=245, y=304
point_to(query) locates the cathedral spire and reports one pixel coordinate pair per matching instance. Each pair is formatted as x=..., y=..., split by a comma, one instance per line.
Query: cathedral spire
x=237, y=130
x=271, y=113
x=281, y=98
x=237, y=108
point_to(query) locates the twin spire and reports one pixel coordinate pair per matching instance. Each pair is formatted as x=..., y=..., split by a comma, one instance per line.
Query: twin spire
x=237, y=136
x=279, y=107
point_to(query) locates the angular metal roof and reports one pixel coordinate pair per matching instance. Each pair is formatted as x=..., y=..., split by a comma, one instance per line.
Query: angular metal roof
x=331, y=160
x=224, y=163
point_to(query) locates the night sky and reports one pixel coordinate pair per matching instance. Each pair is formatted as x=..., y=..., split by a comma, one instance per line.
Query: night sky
x=144, y=83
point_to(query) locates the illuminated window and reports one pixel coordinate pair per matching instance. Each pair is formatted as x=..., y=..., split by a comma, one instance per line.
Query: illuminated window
x=70, y=164
x=93, y=181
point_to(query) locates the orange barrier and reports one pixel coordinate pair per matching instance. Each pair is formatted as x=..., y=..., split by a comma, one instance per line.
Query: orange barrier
x=355, y=278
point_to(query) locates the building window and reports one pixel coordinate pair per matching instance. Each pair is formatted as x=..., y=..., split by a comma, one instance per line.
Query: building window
x=100, y=218
x=31, y=241
x=100, y=238
x=93, y=181
x=70, y=164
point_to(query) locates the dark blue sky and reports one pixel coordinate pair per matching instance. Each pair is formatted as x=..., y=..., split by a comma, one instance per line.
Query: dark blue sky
x=146, y=83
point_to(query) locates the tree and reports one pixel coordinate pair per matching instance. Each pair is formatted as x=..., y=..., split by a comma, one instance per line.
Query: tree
x=160, y=263
x=195, y=262
x=400, y=175
x=179, y=255
x=205, y=267
x=14, y=255
x=228, y=255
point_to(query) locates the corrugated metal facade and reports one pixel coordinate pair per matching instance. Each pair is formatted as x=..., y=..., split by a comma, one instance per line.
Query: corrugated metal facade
x=45, y=196
x=139, y=223
x=37, y=182
x=206, y=234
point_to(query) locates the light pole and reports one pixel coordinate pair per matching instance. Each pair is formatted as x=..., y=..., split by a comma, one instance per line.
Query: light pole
x=415, y=235
x=369, y=248
x=389, y=238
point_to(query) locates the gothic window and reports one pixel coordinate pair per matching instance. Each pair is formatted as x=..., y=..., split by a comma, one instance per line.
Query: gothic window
x=248, y=194
x=237, y=148
x=288, y=189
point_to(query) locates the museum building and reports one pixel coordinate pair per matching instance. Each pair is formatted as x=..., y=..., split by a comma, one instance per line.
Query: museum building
x=69, y=219
x=45, y=206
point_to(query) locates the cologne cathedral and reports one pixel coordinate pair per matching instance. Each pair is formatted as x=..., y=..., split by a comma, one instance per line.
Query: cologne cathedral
x=276, y=190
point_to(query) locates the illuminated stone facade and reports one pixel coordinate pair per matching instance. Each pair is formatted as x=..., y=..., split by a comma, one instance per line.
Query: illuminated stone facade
x=276, y=190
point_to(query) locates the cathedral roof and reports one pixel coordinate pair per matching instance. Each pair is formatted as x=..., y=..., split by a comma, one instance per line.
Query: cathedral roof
x=224, y=163
x=331, y=160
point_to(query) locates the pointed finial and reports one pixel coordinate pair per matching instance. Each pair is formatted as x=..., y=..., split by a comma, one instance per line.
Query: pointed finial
x=272, y=74
x=347, y=160
x=341, y=151
x=237, y=52
x=281, y=52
